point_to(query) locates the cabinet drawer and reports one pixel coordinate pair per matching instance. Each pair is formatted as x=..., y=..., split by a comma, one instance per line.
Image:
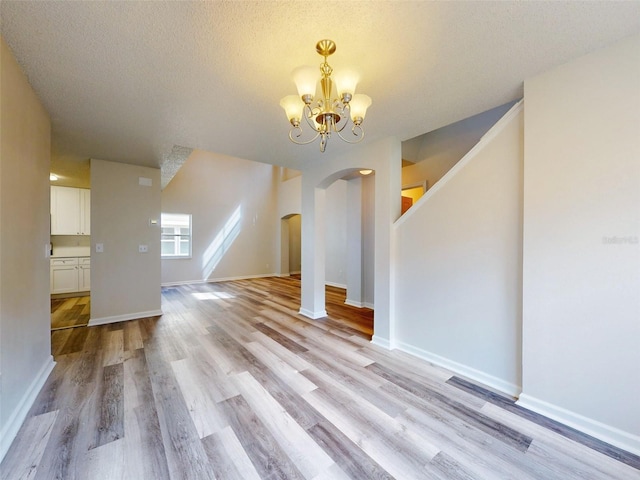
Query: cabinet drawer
x=56, y=262
x=84, y=261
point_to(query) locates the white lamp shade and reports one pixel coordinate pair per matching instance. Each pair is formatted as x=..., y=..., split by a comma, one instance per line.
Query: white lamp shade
x=359, y=105
x=292, y=105
x=346, y=81
x=306, y=78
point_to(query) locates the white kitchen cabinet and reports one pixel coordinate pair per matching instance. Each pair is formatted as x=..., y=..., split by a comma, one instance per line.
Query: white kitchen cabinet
x=70, y=275
x=70, y=211
x=84, y=274
x=64, y=275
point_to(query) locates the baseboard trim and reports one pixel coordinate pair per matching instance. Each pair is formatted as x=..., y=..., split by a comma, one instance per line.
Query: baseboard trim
x=479, y=376
x=381, y=342
x=10, y=430
x=368, y=305
x=313, y=315
x=221, y=279
x=336, y=285
x=123, y=318
x=353, y=303
x=601, y=431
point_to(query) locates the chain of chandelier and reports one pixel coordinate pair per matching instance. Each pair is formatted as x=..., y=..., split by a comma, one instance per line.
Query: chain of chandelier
x=326, y=115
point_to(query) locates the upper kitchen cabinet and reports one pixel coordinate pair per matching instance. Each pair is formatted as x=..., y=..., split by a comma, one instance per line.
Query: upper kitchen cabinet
x=70, y=211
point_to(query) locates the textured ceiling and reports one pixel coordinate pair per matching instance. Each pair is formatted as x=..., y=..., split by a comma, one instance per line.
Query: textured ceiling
x=128, y=81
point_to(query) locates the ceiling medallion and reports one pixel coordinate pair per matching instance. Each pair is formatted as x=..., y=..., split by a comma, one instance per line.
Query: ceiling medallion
x=328, y=114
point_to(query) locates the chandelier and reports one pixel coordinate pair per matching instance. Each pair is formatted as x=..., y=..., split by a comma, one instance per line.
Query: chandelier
x=326, y=115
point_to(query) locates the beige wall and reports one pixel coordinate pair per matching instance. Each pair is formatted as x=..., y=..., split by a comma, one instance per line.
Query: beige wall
x=295, y=244
x=233, y=203
x=581, y=244
x=25, y=346
x=125, y=284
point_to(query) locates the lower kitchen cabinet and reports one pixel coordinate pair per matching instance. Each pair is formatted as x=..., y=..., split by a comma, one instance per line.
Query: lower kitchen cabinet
x=84, y=274
x=70, y=274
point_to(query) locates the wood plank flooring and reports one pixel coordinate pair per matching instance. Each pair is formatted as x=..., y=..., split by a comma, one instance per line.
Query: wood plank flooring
x=70, y=312
x=231, y=383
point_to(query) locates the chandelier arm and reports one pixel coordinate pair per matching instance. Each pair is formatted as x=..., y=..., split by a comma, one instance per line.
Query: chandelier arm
x=345, y=108
x=354, y=129
x=299, y=129
x=309, y=114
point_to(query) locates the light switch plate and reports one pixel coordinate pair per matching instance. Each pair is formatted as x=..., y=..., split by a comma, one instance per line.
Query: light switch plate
x=99, y=247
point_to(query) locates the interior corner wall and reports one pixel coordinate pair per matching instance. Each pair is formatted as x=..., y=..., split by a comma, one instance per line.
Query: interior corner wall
x=435, y=153
x=235, y=224
x=458, y=264
x=125, y=284
x=581, y=271
x=25, y=318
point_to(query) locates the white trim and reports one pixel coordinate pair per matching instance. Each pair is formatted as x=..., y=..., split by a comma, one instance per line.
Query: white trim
x=336, y=285
x=381, y=342
x=602, y=431
x=17, y=418
x=123, y=318
x=296, y=272
x=313, y=315
x=490, y=135
x=479, y=376
x=222, y=279
x=353, y=303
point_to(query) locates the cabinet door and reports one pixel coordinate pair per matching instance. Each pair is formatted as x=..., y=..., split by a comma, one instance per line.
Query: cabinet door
x=85, y=211
x=84, y=278
x=64, y=279
x=65, y=211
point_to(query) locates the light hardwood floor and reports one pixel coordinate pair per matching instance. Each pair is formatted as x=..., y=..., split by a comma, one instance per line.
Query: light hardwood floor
x=70, y=312
x=232, y=383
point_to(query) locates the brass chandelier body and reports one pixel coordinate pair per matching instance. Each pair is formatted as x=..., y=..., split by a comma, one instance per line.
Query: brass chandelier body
x=326, y=115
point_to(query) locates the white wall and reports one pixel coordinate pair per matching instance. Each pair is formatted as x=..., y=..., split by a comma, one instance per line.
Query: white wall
x=458, y=264
x=336, y=230
x=384, y=157
x=435, y=153
x=368, y=240
x=289, y=203
x=233, y=203
x=25, y=319
x=290, y=196
x=336, y=235
x=581, y=252
x=125, y=284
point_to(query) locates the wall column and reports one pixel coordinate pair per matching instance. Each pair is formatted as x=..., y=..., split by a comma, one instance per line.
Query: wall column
x=313, y=251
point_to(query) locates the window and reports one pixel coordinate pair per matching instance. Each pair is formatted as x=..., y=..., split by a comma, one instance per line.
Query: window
x=176, y=235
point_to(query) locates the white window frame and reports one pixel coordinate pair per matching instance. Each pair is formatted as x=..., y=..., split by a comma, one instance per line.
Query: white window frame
x=177, y=221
